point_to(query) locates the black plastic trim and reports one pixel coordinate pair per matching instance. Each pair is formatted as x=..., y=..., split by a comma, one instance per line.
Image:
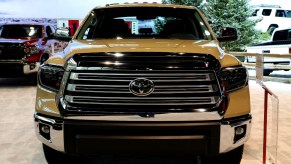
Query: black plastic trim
x=100, y=137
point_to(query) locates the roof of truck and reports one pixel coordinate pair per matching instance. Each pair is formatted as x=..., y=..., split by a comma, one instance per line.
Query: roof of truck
x=26, y=23
x=145, y=4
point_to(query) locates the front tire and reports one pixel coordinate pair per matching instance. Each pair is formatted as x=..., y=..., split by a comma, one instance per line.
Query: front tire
x=231, y=157
x=271, y=29
x=55, y=157
x=267, y=72
x=32, y=78
x=43, y=58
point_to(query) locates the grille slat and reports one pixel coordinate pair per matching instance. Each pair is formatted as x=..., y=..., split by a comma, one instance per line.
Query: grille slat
x=125, y=77
x=169, y=89
x=142, y=101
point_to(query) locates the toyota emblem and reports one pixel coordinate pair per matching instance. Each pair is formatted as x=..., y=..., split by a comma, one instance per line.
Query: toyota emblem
x=141, y=87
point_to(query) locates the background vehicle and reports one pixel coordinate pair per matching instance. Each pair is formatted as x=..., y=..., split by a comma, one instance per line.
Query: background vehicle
x=271, y=17
x=144, y=79
x=280, y=44
x=24, y=46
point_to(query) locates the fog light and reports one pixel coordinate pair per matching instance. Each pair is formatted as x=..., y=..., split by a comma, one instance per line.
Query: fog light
x=45, y=129
x=31, y=66
x=239, y=133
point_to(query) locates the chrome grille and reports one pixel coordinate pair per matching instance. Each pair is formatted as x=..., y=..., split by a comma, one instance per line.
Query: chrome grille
x=10, y=51
x=102, y=83
x=108, y=90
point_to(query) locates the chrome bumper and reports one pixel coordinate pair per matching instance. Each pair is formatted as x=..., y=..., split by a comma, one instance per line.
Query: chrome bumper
x=26, y=68
x=56, y=140
x=29, y=68
x=227, y=132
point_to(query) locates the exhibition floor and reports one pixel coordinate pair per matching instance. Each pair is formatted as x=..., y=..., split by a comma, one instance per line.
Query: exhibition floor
x=19, y=145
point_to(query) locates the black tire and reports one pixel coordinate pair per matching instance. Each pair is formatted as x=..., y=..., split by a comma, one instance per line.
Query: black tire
x=55, y=157
x=267, y=72
x=271, y=29
x=32, y=78
x=43, y=58
x=231, y=157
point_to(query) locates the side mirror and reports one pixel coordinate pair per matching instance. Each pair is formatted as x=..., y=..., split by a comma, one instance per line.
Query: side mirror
x=227, y=34
x=63, y=34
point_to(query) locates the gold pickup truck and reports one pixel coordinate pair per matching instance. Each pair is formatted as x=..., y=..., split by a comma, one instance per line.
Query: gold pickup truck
x=144, y=79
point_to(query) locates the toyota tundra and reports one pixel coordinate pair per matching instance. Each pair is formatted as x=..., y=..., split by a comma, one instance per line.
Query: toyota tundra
x=144, y=79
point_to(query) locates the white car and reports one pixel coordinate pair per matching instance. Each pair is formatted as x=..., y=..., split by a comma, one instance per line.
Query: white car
x=280, y=44
x=270, y=17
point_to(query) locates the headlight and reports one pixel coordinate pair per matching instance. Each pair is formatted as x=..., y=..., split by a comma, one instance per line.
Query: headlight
x=31, y=49
x=233, y=78
x=50, y=77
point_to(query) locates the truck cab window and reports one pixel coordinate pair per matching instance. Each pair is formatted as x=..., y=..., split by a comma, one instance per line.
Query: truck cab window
x=267, y=12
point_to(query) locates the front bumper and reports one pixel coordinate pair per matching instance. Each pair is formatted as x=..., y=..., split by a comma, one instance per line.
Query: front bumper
x=10, y=68
x=90, y=137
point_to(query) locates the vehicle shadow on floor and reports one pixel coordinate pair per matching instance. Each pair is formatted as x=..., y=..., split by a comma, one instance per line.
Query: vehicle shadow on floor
x=138, y=160
x=17, y=82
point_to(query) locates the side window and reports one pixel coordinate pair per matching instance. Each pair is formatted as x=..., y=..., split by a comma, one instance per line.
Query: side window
x=280, y=13
x=85, y=36
x=87, y=29
x=266, y=12
x=289, y=34
x=48, y=31
x=53, y=29
x=288, y=13
x=255, y=13
x=1, y=28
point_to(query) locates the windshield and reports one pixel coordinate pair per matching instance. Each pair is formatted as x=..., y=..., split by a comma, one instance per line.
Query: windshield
x=144, y=23
x=21, y=31
x=288, y=13
x=282, y=35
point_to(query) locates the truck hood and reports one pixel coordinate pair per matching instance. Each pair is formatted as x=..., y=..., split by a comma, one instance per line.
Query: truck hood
x=159, y=45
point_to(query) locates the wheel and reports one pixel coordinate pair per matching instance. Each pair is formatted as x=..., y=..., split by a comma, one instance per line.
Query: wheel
x=43, y=58
x=267, y=72
x=231, y=157
x=271, y=29
x=32, y=78
x=55, y=157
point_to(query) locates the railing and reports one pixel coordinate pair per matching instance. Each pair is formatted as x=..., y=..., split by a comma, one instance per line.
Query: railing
x=259, y=65
x=276, y=66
